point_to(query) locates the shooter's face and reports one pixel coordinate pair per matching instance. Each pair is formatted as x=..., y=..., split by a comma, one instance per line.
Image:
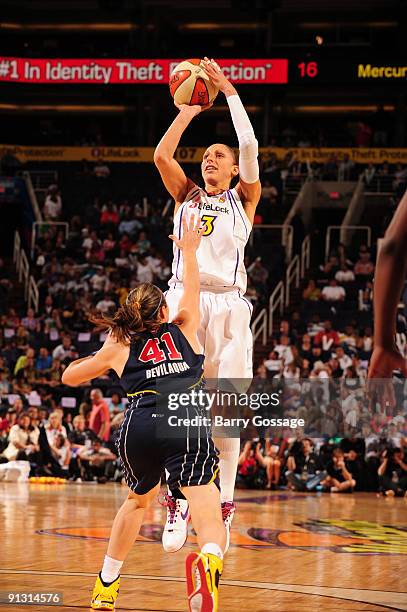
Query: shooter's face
x=218, y=165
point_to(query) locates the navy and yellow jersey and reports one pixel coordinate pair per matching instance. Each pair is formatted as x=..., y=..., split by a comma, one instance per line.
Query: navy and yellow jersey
x=161, y=361
x=148, y=443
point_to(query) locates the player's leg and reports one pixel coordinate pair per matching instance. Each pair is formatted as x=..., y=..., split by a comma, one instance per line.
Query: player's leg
x=276, y=471
x=125, y=529
x=229, y=347
x=175, y=531
x=343, y=486
x=268, y=464
x=204, y=568
x=142, y=463
x=193, y=466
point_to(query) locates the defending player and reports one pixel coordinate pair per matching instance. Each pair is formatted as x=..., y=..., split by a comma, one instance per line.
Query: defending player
x=147, y=352
x=227, y=215
x=390, y=274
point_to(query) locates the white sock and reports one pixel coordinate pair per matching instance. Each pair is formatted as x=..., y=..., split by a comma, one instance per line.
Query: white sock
x=229, y=449
x=212, y=549
x=111, y=569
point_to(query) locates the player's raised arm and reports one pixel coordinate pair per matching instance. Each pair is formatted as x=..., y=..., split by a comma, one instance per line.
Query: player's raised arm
x=249, y=183
x=173, y=176
x=390, y=274
x=188, y=311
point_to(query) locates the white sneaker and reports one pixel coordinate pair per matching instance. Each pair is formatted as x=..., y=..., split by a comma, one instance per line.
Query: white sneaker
x=228, y=512
x=176, y=528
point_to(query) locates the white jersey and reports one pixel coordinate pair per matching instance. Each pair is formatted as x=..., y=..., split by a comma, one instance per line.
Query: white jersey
x=221, y=252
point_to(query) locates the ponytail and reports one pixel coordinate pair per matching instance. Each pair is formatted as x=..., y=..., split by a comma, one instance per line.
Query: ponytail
x=140, y=312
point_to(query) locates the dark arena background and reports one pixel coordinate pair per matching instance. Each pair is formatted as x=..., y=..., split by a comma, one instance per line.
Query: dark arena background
x=85, y=218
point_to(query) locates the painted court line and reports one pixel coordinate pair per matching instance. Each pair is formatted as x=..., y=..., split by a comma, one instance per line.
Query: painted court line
x=389, y=599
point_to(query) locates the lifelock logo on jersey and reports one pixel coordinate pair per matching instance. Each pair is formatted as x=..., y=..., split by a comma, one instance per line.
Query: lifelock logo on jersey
x=203, y=206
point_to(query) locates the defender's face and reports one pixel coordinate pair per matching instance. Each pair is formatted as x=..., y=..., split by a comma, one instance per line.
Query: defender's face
x=218, y=165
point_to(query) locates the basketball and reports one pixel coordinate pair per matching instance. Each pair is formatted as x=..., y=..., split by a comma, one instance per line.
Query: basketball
x=190, y=85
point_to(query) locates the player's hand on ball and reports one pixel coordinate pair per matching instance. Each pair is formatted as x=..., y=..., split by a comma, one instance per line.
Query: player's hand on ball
x=192, y=110
x=191, y=235
x=214, y=72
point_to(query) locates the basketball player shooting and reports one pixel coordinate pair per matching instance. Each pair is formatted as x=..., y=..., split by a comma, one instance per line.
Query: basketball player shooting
x=227, y=216
x=390, y=275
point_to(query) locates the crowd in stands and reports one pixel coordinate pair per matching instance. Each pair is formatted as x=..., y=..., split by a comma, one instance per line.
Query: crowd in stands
x=319, y=465
x=291, y=171
x=56, y=443
x=319, y=356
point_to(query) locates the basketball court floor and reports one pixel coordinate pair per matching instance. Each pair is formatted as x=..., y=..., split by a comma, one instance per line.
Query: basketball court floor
x=289, y=552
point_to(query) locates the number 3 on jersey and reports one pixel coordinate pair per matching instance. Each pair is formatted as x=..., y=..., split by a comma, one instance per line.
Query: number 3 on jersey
x=152, y=351
x=208, y=224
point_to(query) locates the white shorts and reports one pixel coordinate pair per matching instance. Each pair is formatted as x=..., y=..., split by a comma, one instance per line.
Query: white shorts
x=224, y=332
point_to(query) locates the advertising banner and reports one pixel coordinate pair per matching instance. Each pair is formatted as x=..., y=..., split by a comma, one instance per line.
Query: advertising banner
x=131, y=71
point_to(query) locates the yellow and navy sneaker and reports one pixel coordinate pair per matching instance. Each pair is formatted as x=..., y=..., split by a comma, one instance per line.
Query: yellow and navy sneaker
x=203, y=574
x=105, y=594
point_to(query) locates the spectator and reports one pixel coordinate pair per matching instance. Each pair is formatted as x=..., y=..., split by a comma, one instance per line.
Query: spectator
x=143, y=245
x=81, y=436
x=109, y=215
x=22, y=360
x=339, y=479
x=145, y=272
x=106, y=304
x=303, y=467
x=116, y=404
x=99, y=419
x=344, y=360
x=99, y=281
x=328, y=338
x=127, y=227
x=344, y=274
x=43, y=362
x=53, y=204
x=306, y=348
x=109, y=244
x=62, y=453
x=333, y=293
x=23, y=440
x=284, y=350
x=98, y=462
x=346, y=167
x=12, y=320
x=30, y=322
x=311, y=292
x=4, y=383
x=66, y=350
x=369, y=174
x=365, y=297
x=330, y=170
x=258, y=274
x=101, y=170
x=269, y=193
x=364, y=267
x=363, y=134
x=247, y=466
x=273, y=364
x=270, y=462
x=54, y=428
